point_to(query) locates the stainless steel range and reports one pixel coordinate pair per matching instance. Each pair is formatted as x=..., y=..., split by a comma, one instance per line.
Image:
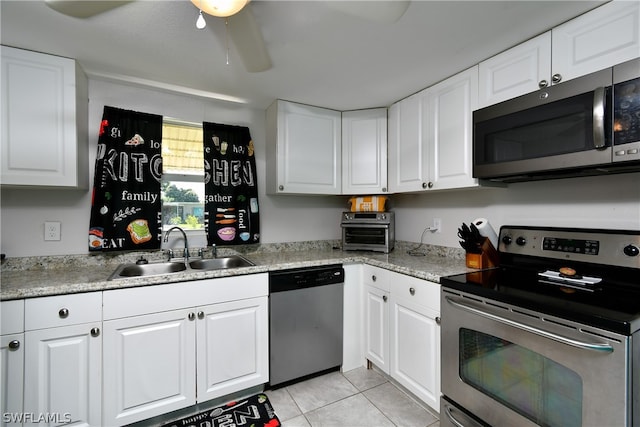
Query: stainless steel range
x=550, y=338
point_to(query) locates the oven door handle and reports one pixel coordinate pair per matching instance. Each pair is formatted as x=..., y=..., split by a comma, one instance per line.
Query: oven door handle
x=599, y=347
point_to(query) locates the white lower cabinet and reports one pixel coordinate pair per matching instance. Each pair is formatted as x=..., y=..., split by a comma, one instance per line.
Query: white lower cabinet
x=149, y=365
x=402, y=331
x=62, y=375
x=232, y=347
x=415, y=337
x=11, y=361
x=158, y=359
x=63, y=360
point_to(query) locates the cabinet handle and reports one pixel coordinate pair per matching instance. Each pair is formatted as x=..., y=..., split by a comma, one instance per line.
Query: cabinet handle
x=192, y=316
x=556, y=78
x=438, y=320
x=424, y=185
x=430, y=185
x=412, y=291
x=63, y=313
x=543, y=84
x=384, y=189
x=201, y=315
x=280, y=187
x=95, y=332
x=374, y=278
x=384, y=298
x=14, y=345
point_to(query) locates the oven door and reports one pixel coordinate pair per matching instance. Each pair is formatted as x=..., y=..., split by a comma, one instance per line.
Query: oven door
x=510, y=366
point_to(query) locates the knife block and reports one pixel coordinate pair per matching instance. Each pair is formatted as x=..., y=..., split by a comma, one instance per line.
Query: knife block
x=487, y=258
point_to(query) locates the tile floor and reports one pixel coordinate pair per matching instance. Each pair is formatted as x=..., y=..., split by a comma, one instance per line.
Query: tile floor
x=360, y=397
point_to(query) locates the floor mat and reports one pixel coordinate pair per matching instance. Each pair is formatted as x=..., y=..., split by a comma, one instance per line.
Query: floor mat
x=254, y=411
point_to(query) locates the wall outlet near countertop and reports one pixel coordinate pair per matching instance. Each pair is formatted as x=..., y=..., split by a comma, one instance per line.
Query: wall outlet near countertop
x=52, y=230
x=437, y=225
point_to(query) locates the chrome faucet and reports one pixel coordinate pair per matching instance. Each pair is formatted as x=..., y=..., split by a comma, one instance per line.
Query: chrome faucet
x=186, y=242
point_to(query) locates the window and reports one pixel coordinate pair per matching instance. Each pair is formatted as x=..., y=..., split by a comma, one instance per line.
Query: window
x=182, y=175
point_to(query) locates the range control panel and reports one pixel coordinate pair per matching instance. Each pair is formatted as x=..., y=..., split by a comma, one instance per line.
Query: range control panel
x=606, y=247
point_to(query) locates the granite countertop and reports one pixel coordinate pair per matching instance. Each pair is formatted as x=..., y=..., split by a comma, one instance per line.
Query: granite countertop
x=58, y=275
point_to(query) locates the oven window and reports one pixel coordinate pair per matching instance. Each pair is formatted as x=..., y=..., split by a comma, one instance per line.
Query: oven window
x=365, y=235
x=536, y=387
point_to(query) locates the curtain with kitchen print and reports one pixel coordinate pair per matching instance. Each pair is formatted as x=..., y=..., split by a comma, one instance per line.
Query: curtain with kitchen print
x=231, y=187
x=125, y=203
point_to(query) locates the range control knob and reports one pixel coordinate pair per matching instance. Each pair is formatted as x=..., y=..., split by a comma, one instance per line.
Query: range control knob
x=507, y=240
x=631, y=250
x=521, y=241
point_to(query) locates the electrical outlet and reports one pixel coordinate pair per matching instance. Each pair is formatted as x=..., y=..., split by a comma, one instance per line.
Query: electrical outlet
x=437, y=225
x=51, y=230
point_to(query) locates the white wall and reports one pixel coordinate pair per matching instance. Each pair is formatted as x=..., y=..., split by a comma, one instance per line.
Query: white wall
x=603, y=202
x=283, y=218
x=592, y=202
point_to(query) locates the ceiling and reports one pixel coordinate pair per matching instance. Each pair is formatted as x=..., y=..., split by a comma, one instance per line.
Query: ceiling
x=320, y=56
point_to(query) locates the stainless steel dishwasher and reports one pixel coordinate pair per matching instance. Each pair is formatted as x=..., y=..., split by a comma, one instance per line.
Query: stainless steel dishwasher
x=305, y=330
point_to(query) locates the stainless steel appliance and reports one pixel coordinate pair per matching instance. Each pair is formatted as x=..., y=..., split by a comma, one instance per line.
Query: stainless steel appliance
x=549, y=338
x=305, y=322
x=368, y=231
x=586, y=126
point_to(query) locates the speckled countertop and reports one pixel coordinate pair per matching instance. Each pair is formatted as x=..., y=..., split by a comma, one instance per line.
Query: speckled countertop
x=57, y=275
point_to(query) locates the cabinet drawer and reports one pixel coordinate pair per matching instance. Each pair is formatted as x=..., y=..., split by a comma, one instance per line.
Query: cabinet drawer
x=12, y=317
x=376, y=277
x=63, y=310
x=422, y=292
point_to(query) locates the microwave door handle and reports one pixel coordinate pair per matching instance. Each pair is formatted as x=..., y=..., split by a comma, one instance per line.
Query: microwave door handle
x=603, y=347
x=598, y=118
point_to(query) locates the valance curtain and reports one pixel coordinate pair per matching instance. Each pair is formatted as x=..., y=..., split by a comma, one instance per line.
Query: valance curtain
x=125, y=203
x=231, y=187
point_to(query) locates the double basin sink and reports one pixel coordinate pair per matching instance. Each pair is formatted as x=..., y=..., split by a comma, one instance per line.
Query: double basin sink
x=158, y=268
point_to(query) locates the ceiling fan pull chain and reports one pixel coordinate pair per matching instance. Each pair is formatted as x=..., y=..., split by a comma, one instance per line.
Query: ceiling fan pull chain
x=226, y=38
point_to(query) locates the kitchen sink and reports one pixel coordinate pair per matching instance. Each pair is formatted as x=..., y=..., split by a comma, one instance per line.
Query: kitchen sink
x=233, y=261
x=158, y=268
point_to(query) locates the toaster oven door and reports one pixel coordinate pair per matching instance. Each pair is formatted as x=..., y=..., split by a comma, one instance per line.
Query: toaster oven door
x=374, y=237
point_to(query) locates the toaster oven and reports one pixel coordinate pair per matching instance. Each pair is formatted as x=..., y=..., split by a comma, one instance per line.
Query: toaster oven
x=368, y=231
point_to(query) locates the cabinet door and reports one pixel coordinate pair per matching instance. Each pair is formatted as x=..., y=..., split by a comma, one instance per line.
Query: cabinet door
x=62, y=376
x=149, y=366
x=11, y=377
x=601, y=38
x=415, y=349
x=39, y=134
x=451, y=104
x=377, y=327
x=364, y=151
x=308, y=149
x=233, y=347
x=522, y=69
x=408, y=154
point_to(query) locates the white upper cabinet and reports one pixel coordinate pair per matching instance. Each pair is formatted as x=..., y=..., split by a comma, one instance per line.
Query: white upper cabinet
x=519, y=70
x=450, y=131
x=408, y=155
x=601, y=38
x=44, y=120
x=303, y=149
x=364, y=151
x=430, y=136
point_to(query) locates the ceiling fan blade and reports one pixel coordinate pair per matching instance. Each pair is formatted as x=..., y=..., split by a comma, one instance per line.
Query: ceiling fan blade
x=84, y=9
x=386, y=12
x=247, y=38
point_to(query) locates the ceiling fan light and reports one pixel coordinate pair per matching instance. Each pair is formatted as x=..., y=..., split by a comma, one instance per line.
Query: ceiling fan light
x=220, y=8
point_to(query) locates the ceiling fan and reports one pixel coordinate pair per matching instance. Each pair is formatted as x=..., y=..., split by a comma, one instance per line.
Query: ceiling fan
x=244, y=32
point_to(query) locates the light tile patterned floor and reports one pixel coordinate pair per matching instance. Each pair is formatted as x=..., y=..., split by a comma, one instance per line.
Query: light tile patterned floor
x=360, y=397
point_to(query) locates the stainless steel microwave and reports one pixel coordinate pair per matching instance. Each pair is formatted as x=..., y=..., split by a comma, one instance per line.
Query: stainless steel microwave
x=586, y=126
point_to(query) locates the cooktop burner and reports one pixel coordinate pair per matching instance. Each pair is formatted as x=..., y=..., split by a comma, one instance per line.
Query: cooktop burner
x=588, y=276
